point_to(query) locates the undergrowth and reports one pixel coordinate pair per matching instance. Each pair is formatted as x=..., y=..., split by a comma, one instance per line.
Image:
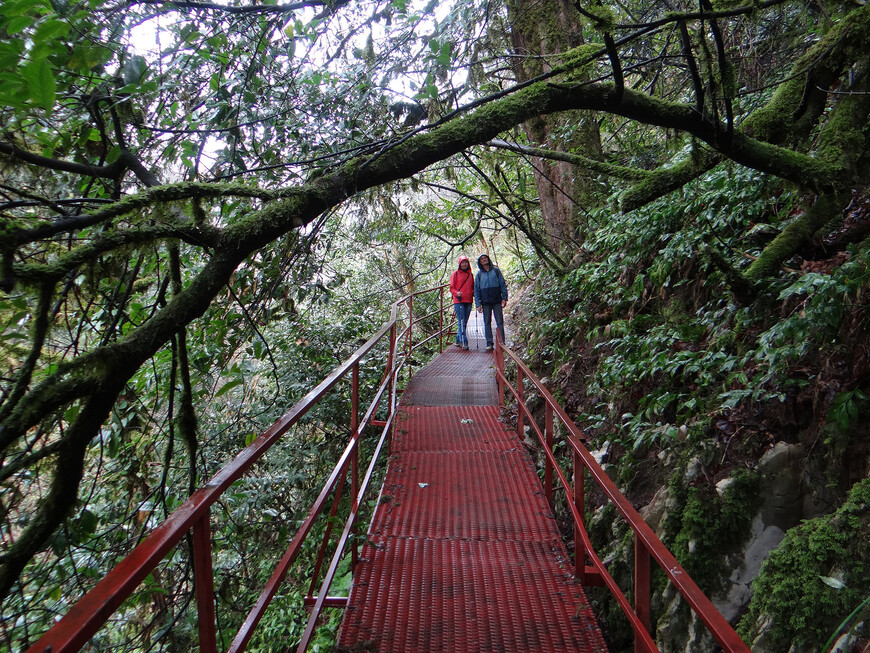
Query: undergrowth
x=659, y=364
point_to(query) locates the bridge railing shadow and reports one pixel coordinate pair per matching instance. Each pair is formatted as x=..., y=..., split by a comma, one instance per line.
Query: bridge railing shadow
x=648, y=548
x=406, y=332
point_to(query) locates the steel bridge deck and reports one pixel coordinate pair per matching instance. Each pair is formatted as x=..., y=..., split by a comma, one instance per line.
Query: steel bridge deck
x=463, y=553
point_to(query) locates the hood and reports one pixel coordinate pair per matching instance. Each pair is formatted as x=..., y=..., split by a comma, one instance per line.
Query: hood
x=459, y=263
x=479, y=266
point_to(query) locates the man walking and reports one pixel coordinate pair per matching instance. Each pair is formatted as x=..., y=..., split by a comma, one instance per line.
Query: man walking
x=490, y=295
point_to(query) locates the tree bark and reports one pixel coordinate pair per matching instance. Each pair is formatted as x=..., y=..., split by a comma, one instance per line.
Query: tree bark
x=542, y=29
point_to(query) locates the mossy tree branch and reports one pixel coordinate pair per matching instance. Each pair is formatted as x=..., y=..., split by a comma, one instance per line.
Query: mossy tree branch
x=667, y=179
x=796, y=234
x=602, y=167
x=304, y=203
x=95, y=378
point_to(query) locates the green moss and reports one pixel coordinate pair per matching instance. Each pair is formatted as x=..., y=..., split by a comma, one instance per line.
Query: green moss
x=789, y=594
x=795, y=235
x=662, y=181
x=704, y=528
x=842, y=140
x=843, y=44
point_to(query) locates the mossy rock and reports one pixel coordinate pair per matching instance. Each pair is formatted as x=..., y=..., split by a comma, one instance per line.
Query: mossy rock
x=811, y=583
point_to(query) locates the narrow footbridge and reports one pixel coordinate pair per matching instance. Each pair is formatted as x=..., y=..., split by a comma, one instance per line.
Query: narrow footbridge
x=463, y=553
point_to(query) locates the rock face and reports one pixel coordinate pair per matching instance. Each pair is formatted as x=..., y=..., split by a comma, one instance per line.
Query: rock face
x=788, y=492
x=762, y=540
x=781, y=485
x=781, y=509
x=782, y=493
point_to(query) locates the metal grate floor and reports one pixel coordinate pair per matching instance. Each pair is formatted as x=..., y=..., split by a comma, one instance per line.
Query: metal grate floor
x=463, y=553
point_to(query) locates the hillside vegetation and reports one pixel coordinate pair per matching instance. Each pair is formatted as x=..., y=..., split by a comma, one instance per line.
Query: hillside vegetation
x=688, y=391
x=206, y=206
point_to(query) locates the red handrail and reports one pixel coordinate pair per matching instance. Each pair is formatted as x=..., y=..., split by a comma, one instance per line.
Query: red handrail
x=83, y=620
x=93, y=610
x=647, y=544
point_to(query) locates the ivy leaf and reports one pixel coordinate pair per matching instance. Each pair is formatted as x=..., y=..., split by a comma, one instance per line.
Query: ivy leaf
x=11, y=86
x=18, y=24
x=833, y=582
x=40, y=81
x=134, y=70
x=51, y=30
x=88, y=522
x=445, y=54
x=226, y=387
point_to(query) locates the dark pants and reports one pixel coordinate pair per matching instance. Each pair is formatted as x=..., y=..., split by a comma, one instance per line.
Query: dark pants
x=488, y=311
x=463, y=310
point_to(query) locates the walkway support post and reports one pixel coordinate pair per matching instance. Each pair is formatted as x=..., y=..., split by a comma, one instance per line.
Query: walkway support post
x=354, y=461
x=441, y=321
x=409, y=338
x=391, y=363
x=580, y=505
x=203, y=578
x=520, y=424
x=641, y=588
x=499, y=364
x=548, y=466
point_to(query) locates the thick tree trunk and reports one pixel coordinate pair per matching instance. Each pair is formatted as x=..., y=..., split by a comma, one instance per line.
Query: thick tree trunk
x=542, y=29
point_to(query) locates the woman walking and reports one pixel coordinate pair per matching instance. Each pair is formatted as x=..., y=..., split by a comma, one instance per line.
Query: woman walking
x=462, y=289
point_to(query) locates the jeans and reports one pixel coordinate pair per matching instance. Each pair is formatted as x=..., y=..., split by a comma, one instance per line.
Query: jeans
x=463, y=310
x=488, y=310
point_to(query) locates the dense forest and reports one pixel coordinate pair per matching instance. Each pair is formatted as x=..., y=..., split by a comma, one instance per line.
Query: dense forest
x=206, y=206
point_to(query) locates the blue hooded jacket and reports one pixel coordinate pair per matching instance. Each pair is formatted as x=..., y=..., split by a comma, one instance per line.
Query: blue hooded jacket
x=489, y=287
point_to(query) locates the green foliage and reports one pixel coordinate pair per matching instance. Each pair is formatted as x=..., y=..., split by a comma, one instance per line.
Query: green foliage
x=821, y=301
x=100, y=100
x=652, y=325
x=667, y=359
x=816, y=577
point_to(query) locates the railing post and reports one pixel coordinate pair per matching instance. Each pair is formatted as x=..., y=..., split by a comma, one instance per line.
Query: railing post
x=580, y=504
x=391, y=364
x=520, y=430
x=441, y=321
x=499, y=364
x=203, y=578
x=548, y=466
x=354, y=480
x=641, y=589
x=409, y=343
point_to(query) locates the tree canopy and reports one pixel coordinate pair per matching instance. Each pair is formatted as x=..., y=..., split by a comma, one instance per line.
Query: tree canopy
x=166, y=161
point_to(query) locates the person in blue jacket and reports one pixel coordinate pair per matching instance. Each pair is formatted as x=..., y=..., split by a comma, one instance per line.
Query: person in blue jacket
x=490, y=296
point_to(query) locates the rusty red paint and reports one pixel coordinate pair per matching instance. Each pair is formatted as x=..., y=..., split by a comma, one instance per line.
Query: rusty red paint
x=464, y=553
x=74, y=630
x=203, y=575
x=645, y=538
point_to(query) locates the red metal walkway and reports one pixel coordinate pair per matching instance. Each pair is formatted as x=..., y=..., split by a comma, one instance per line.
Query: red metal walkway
x=463, y=553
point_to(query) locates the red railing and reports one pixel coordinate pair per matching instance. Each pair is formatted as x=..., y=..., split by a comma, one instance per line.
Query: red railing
x=92, y=611
x=647, y=547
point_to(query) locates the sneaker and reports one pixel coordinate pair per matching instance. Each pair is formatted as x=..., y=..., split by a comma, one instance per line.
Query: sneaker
x=464, y=347
x=489, y=348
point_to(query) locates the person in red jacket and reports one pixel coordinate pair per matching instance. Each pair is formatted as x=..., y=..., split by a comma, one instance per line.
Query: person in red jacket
x=462, y=289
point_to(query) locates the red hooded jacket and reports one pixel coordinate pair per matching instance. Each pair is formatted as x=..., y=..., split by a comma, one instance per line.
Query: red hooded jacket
x=462, y=281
